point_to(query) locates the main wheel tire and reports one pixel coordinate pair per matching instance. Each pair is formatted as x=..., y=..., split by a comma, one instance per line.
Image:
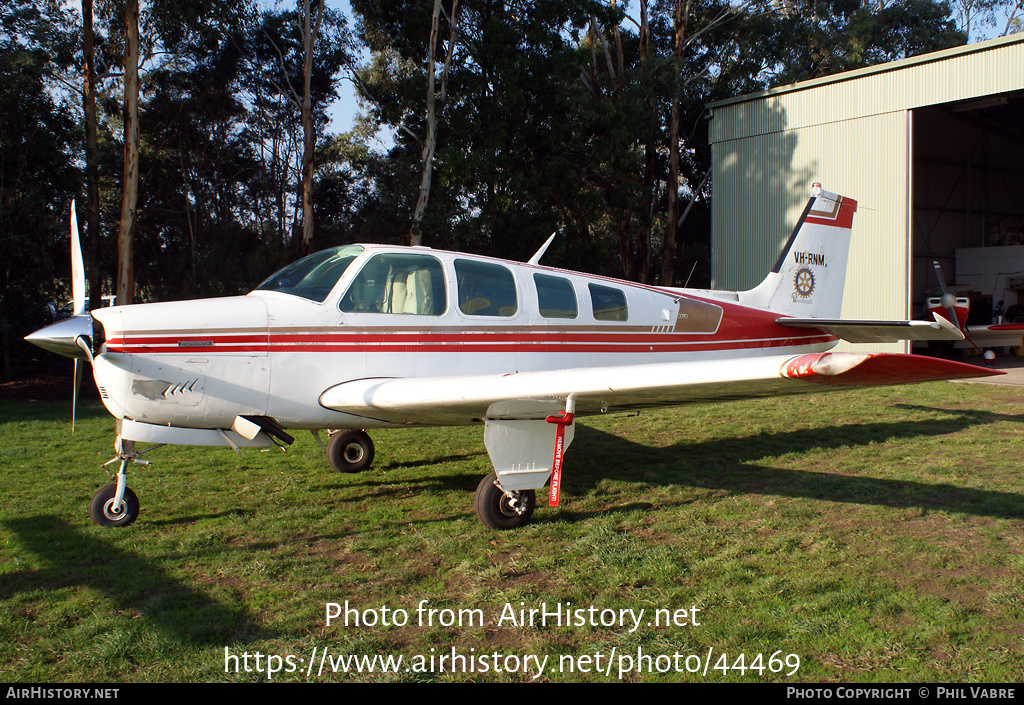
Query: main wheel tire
x=495, y=510
x=103, y=512
x=350, y=451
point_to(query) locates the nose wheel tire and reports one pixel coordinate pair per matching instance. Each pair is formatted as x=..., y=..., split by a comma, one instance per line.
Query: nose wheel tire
x=350, y=451
x=497, y=510
x=104, y=513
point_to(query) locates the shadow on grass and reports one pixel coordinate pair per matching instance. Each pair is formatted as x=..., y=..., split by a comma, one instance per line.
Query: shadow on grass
x=131, y=583
x=426, y=462
x=731, y=465
x=193, y=518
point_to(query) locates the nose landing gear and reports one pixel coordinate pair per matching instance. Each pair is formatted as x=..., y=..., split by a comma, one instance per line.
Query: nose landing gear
x=106, y=509
x=116, y=504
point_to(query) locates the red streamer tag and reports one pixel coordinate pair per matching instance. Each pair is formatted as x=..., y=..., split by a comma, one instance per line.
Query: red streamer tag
x=556, y=464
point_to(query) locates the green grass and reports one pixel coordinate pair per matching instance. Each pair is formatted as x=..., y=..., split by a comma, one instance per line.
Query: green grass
x=876, y=534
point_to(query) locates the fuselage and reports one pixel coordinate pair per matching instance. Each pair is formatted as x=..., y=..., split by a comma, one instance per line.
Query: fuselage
x=395, y=312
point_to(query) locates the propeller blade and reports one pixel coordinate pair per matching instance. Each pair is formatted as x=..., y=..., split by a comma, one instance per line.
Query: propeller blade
x=938, y=275
x=77, y=267
x=68, y=337
x=947, y=301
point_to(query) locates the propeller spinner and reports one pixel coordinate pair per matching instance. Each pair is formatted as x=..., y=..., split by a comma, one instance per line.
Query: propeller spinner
x=955, y=314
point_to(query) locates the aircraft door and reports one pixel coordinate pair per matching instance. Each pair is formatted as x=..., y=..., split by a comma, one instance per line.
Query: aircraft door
x=393, y=311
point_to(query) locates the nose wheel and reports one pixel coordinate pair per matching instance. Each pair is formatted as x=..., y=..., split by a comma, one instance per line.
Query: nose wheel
x=105, y=510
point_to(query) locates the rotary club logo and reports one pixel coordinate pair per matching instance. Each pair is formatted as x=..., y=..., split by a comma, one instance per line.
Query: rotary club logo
x=803, y=284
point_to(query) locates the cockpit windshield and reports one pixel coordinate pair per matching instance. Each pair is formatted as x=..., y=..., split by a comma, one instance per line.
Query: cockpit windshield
x=314, y=276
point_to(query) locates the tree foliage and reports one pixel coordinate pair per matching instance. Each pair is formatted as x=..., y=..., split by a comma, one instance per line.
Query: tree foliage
x=581, y=116
x=575, y=116
x=37, y=173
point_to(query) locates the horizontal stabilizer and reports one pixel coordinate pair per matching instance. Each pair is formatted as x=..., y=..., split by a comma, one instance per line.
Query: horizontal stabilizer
x=854, y=331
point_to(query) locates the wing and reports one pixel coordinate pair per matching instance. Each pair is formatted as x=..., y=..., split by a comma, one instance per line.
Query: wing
x=995, y=335
x=535, y=395
x=879, y=331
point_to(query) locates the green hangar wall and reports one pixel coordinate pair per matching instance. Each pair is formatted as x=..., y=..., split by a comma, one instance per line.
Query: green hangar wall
x=932, y=148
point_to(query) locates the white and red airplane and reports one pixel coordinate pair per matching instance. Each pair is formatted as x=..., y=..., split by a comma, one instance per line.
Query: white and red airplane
x=956, y=310
x=368, y=336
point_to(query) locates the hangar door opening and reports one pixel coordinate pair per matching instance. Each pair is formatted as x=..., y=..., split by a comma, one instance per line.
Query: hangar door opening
x=968, y=204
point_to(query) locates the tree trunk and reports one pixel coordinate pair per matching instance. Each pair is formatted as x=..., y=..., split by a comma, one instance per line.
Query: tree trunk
x=92, y=158
x=671, y=227
x=650, y=161
x=130, y=180
x=309, y=31
x=430, y=139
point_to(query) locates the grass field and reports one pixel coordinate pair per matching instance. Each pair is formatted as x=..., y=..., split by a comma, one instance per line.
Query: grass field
x=875, y=535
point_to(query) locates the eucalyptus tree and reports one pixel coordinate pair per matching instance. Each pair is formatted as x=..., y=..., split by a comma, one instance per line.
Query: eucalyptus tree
x=500, y=138
x=37, y=166
x=588, y=116
x=293, y=62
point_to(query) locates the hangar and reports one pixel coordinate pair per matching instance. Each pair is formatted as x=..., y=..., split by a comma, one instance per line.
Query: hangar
x=931, y=147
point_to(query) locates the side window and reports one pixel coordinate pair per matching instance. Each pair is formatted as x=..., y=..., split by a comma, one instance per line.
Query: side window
x=398, y=283
x=609, y=303
x=555, y=296
x=485, y=289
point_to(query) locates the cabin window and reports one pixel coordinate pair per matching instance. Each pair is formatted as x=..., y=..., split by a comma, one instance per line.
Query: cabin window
x=314, y=276
x=609, y=304
x=405, y=283
x=485, y=289
x=555, y=296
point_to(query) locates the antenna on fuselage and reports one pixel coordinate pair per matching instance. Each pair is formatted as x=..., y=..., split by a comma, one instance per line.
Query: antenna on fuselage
x=543, y=248
x=692, y=269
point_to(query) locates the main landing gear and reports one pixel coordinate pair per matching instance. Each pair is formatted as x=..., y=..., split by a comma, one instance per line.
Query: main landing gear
x=350, y=451
x=504, y=499
x=526, y=453
x=498, y=509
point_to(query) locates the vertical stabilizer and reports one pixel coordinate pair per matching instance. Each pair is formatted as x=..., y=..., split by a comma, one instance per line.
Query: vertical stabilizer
x=808, y=278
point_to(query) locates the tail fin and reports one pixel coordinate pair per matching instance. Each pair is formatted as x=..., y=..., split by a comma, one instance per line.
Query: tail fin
x=808, y=278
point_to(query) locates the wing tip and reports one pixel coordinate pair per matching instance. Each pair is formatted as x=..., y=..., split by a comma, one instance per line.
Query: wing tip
x=878, y=369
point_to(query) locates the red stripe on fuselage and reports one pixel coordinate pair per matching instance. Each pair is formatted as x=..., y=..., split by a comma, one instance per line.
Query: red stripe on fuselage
x=507, y=343
x=740, y=328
